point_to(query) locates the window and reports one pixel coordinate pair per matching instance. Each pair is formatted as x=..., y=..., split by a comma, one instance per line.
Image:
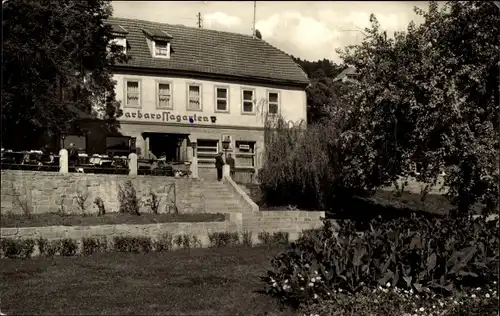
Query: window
x=273, y=102
x=133, y=94
x=117, y=44
x=194, y=97
x=206, y=151
x=118, y=146
x=248, y=101
x=79, y=141
x=221, y=99
x=245, y=154
x=162, y=49
x=164, y=96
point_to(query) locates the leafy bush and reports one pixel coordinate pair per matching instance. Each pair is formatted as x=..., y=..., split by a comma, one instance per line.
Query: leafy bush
x=81, y=200
x=277, y=238
x=153, y=201
x=247, y=239
x=42, y=245
x=187, y=241
x=132, y=244
x=17, y=248
x=178, y=241
x=165, y=242
x=68, y=247
x=195, y=242
x=413, y=254
x=99, y=203
x=92, y=245
x=24, y=202
x=297, y=171
x=129, y=202
x=280, y=238
x=264, y=238
x=53, y=248
x=223, y=239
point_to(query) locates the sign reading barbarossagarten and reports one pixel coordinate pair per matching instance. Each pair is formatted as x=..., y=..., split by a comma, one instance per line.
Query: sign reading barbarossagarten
x=165, y=116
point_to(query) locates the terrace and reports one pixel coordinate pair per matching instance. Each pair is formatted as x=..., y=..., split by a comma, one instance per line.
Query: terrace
x=37, y=160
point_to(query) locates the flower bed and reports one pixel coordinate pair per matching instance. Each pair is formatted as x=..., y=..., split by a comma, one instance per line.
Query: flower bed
x=55, y=219
x=393, y=301
x=439, y=259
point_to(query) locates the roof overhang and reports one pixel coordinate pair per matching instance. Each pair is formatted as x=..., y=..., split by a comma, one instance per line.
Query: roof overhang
x=157, y=35
x=118, y=30
x=212, y=76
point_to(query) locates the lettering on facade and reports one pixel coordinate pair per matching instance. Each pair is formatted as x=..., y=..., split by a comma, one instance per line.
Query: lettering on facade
x=165, y=116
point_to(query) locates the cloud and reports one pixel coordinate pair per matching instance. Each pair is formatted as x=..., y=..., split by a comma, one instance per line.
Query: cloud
x=302, y=35
x=220, y=20
x=317, y=37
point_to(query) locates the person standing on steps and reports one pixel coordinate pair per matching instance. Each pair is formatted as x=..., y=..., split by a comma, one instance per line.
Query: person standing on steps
x=230, y=162
x=219, y=162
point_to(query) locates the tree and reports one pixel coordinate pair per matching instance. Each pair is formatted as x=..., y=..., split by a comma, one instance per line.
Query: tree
x=323, y=94
x=431, y=95
x=55, y=68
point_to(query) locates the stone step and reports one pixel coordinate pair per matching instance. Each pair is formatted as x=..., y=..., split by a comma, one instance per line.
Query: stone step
x=218, y=191
x=222, y=210
x=279, y=219
x=214, y=190
x=227, y=206
x=219, y=198
x=215, y=186
x=224, y=205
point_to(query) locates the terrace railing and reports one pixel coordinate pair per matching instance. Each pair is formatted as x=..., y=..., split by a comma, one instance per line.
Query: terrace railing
x=29, y=160
x=96, y=164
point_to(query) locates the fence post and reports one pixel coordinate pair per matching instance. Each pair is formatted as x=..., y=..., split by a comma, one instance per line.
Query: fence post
x=63, y=161
x=132, y=164
x=194, y=168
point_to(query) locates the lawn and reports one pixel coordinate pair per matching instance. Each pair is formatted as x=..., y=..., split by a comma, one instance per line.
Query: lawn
x=383, y=202
x=54, y=219
x=221, y=281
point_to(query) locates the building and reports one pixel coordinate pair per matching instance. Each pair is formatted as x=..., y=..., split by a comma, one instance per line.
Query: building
x=186, y=86
x=347, y=75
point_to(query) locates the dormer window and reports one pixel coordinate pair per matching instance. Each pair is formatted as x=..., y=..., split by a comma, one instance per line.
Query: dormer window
x=119, y=34
x=162, y=49
x=159, y=42
x=119, y=42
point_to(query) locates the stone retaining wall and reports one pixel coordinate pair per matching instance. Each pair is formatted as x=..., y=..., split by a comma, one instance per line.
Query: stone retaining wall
x=293, y=222
x=201, y=230
x=45, y=191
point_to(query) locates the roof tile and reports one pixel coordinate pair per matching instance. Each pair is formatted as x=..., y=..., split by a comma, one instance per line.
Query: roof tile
x=210, y=51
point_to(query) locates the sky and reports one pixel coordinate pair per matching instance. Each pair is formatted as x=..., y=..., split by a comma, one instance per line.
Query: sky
x=311, y=30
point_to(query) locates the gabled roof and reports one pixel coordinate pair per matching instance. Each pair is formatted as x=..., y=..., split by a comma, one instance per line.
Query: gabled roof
x=157, y=34
x=117, y=29
x=206, y=51
x=348, y=72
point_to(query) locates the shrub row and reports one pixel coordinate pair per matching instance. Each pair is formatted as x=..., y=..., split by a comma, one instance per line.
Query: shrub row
x=24, y=248
x=428, y=257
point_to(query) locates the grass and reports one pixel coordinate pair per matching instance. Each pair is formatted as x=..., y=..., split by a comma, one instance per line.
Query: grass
x=383, y=202
x=223, y=281
x=54, y=219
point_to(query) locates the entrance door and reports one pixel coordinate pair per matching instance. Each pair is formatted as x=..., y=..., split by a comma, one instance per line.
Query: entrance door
x=166, y=145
